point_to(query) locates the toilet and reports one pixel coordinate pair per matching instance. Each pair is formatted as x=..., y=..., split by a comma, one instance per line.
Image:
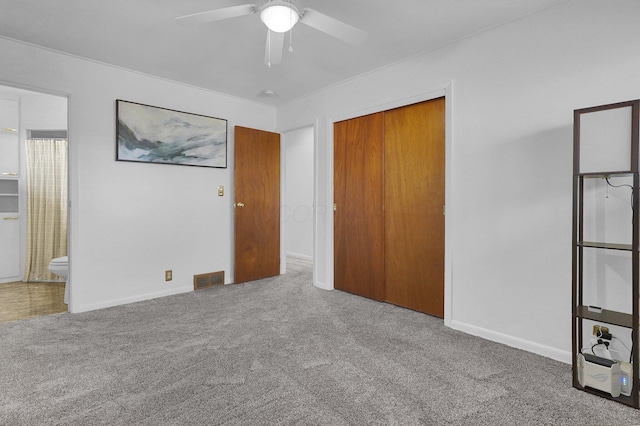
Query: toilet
x=60, y=267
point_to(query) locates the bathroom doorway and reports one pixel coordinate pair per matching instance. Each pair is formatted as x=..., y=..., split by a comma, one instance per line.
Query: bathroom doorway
x=33, y=126
x=298, y=154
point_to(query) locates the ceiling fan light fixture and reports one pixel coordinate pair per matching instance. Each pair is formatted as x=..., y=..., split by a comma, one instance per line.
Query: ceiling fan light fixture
x=279, y=16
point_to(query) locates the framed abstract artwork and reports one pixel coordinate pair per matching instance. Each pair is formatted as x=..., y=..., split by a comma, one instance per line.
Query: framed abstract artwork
x=148, y=134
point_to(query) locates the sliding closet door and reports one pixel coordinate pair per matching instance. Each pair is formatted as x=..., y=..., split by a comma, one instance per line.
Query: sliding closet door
x=414, y=206
x=358, y=197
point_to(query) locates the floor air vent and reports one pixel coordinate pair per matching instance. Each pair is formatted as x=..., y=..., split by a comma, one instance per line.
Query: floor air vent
x=208, y=280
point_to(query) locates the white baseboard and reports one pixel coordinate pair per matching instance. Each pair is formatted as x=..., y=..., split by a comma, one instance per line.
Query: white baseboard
x=299, y=256
x=322, y=286
x=124, y=301
x=514, y=342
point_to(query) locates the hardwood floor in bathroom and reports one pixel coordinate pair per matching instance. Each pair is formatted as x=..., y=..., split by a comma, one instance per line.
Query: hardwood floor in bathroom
x=19, y=300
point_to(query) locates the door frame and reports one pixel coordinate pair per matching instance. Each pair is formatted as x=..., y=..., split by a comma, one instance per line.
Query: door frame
x=445, y=90
x=283, y=195
x=283, y=200
x=71, y=172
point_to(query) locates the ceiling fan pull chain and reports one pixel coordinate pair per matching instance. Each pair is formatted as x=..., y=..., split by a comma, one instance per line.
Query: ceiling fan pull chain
x=269, y=48
x=291, y=23
x=291, y=40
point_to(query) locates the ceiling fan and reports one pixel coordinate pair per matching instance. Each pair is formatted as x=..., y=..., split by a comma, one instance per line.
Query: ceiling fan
x=280, y=16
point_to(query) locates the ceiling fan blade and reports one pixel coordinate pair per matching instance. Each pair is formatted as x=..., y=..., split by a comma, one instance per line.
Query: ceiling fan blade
x=217, y=14
x=275, y=45
x=333, y=27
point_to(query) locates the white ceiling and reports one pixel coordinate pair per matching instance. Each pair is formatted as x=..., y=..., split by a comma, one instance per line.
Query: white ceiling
x=228, y=56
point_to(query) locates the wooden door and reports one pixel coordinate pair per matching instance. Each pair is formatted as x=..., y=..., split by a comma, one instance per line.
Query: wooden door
x=414, y=206
x=358, y=197
x=257, y=204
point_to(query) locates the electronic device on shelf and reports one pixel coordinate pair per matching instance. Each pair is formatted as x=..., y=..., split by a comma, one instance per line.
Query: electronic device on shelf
x=626, y=378
x=601, y=373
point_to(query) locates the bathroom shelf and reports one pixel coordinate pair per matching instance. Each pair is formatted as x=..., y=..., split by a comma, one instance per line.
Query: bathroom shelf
x=9, y=202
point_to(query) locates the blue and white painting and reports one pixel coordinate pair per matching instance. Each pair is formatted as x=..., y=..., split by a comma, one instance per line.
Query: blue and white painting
x=156, y=135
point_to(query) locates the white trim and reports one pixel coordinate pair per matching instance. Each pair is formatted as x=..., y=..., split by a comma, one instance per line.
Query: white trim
x=299, y=256
x=329, y=250
x=439, y=90
x=28, y=89
x=283, y=202
x=323, y=285
x=514, y=342
x=32, y=89
x=314, y=253
x=128, y=300
x=142, y=73
x=322, y=210
x=449, y=206
x=444, y=89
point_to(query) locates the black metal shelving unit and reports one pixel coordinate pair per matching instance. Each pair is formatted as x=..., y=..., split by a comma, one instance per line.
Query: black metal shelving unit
x=582, y=312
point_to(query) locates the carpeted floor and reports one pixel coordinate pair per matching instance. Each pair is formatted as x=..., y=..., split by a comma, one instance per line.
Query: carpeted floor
x=277, y=351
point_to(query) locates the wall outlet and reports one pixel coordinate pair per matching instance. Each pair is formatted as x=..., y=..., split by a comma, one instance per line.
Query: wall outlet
x=168, y=275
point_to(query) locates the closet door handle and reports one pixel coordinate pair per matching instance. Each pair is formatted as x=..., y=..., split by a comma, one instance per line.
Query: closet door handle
x=11, y=218
x=240, y=204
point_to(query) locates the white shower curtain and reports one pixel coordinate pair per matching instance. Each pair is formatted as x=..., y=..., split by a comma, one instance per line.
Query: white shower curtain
x=47, y=211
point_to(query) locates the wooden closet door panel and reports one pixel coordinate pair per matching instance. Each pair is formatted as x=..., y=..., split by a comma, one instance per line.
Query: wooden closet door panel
x=414, y=206
x=358, y=196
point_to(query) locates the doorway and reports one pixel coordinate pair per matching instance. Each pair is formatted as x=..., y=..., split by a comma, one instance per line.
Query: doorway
x=297, y=214
x=38, y=117
x=284, y=175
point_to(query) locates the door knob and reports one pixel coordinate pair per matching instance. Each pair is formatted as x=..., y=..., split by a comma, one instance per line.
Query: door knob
x=240, y=204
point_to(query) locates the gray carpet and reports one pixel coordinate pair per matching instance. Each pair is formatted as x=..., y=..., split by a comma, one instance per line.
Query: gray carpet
x=277, y=351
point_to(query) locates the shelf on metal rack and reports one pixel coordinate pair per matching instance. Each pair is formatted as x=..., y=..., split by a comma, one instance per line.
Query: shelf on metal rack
x=602, y=175
x=609, y=246
x=610, y=317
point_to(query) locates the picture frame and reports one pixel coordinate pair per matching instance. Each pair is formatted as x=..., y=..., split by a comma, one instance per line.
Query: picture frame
x=150, y=134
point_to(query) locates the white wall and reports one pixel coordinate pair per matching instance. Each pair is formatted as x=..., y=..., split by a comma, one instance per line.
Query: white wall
x=514, y=89
x=40, y=111
x=131, y=221
x=509, y=182
x=298, y=208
